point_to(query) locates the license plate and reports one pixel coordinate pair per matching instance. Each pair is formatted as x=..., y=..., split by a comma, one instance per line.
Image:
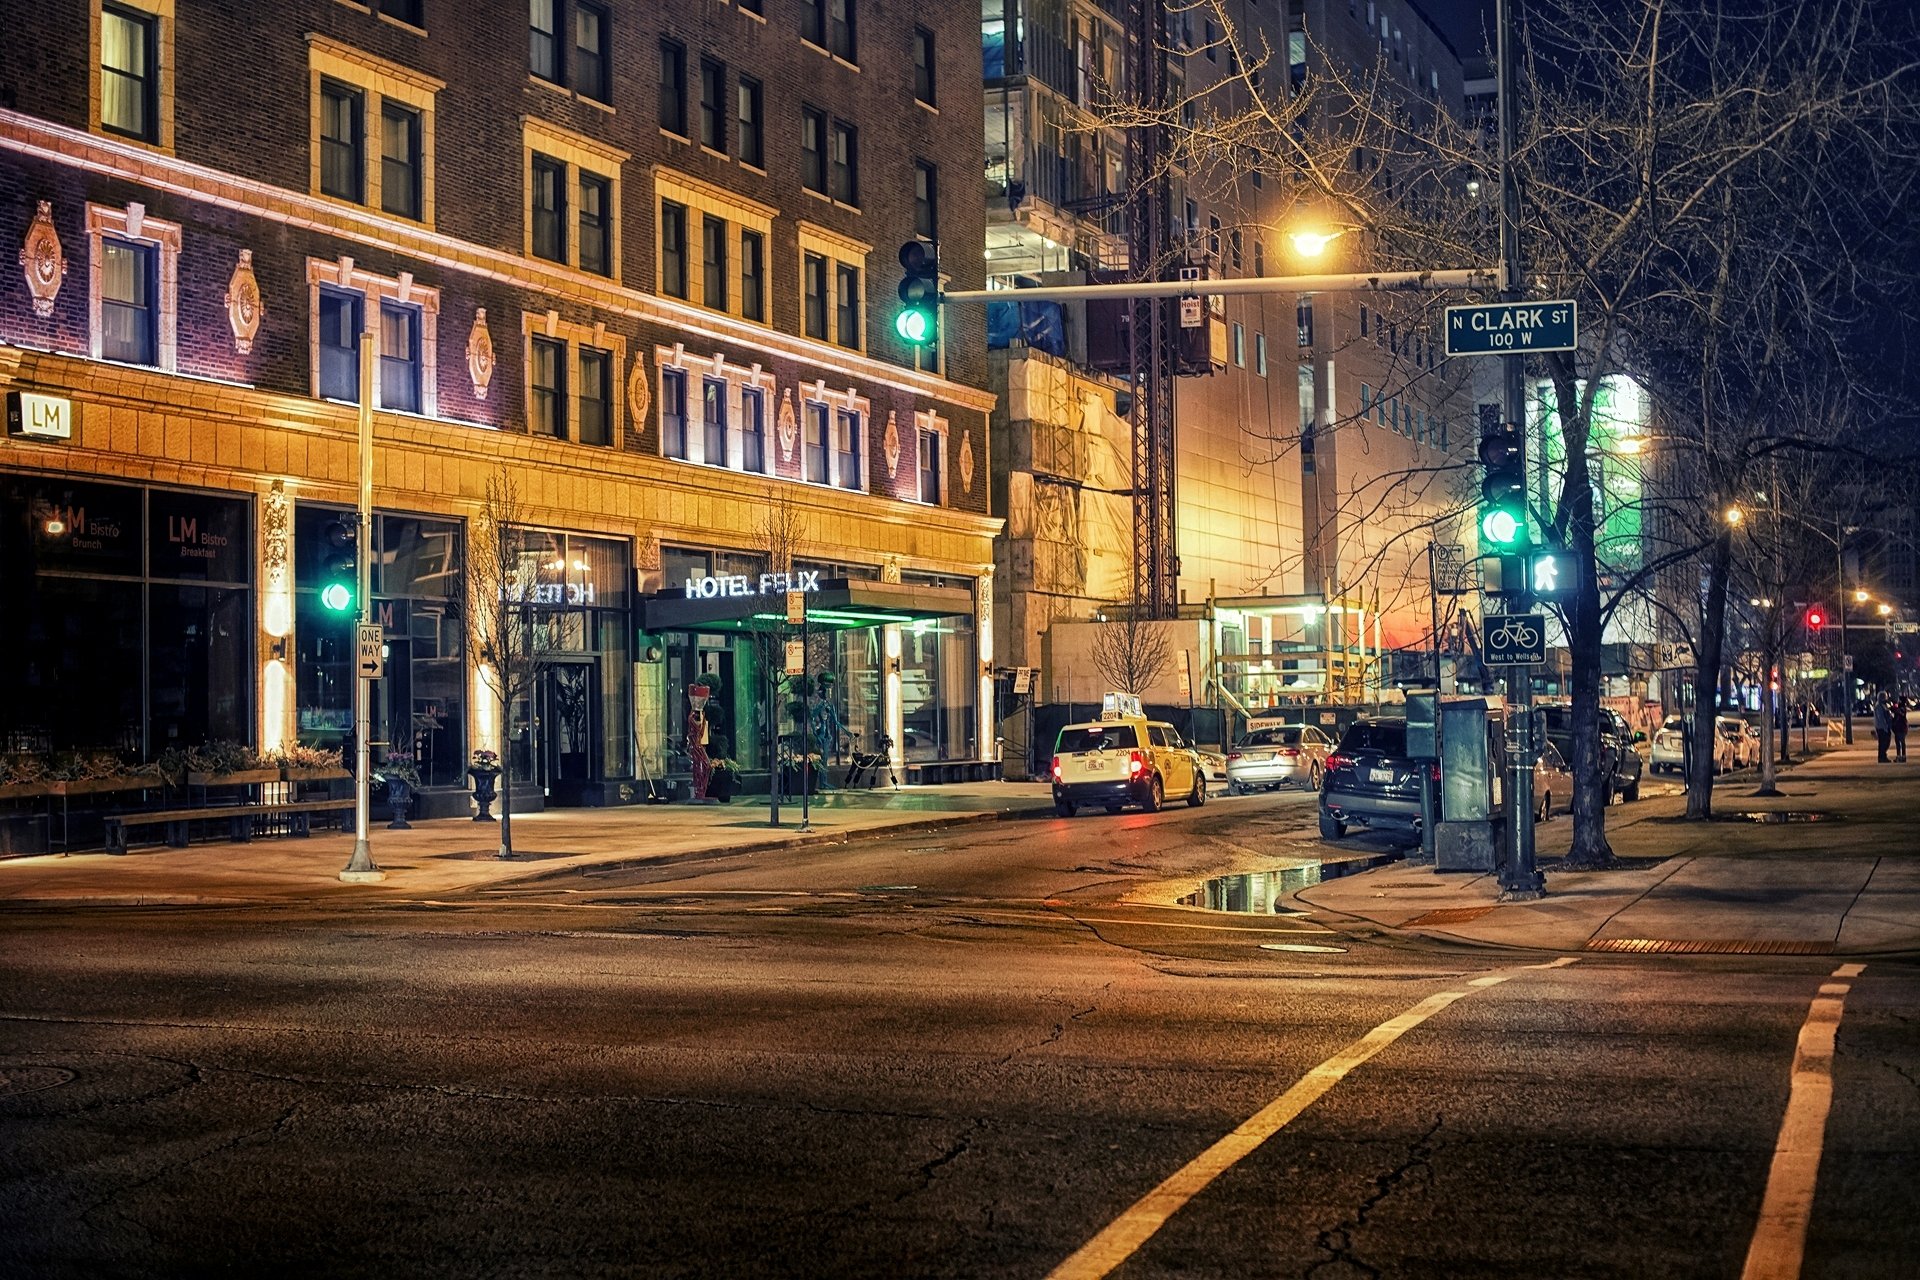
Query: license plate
x=1379, y=775
x=1096, y=765
x=1259, y=755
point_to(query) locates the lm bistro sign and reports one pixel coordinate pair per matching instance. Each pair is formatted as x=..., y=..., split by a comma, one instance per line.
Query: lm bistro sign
x=39, y=417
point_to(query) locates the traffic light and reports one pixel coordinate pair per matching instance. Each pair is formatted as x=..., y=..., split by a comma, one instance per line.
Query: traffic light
x=1503, y=489
x=919, y=319
x=342, y=568
x=1551, y=573
x=1816, y=617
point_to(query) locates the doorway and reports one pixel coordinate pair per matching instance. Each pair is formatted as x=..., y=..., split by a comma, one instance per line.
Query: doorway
x=554, y=732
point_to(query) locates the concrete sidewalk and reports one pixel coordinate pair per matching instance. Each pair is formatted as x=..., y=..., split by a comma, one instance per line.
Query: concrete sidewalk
x=1831, y=866
x=451, y=855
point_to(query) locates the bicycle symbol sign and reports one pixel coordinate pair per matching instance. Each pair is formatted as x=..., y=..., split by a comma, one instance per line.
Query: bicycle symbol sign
x=1516, y=639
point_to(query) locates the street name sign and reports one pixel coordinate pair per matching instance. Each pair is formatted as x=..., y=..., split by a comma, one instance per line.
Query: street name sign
x=1904, y=628
x=1498, y=328
x=370, y=644
x=1515, y=639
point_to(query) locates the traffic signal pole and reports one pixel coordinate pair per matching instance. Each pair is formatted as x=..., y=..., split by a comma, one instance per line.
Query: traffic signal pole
x=360, y=868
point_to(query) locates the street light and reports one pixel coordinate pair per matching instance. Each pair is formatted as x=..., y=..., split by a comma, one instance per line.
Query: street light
x=1733, y=515
x=1311, y=244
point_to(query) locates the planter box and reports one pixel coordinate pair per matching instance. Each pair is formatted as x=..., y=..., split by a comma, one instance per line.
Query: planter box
x=25, y=790
x=99, y=786
x=243, y=778
x=300, y=773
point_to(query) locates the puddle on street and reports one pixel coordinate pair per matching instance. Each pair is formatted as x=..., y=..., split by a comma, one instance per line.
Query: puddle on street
x=1770, y=816
x=1263, y=893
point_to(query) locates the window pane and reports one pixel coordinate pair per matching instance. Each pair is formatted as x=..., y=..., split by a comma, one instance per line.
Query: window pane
x=816, y=443
x=841, y=15
x=753, y=431
x=549, y=209
x=127, y=303
x=673, y=249
x=596, y=244
x=547, y=400
x=126, y=73
x=543, y=52
x=813, y=150
x=847, y=446
x=197, y=642
x=845, y=164
x=340, y=168
x=816, y=291
x=673, y=88
x=713, y=255
x=713, y=97
x=926, y=201
x=752, y=146
x=340, y=346
x=930, y=467
x=813, y=21
x=753, y=292
x=673, y=413
x=400, y=358
x=713, y=413
x=399, y=159
x=589, y=52
x=923, y=65
x=596, y=396
x=849, y=306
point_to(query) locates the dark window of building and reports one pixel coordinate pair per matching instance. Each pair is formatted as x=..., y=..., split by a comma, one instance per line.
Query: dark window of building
x=926, y=200
x=673, y=249
x=713, y=261
x=340, y=345
x=673, y=412
x=400, y=168
x=930, y=466
x=549, y=209
x=814, y=273
x=596, y=240
x=753, y=284
x=399, y=357
x=813, y=150
x=673, y=88
x=817, y=442
x=543, y=49
x=713, y=418
x=847, y=445
x=753, y=430
x=846, y=163
x=847, y=293
x=1233, y=241
x=590, y=79
x=752, y=138
x=407, y=11
x=1303, y=320
x=596, y=396
x=341, y=170
x=129, y=301
x=923, y=65
x=547, y=389
x=129, y=73
x=813, y=22
x=753, y=6
x=713, y=105
x=840, y=30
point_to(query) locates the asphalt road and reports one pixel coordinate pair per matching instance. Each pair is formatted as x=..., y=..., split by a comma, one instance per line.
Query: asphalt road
x=967, y=1053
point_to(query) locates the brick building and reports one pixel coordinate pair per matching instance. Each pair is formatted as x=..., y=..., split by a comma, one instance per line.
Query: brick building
x=631, y=256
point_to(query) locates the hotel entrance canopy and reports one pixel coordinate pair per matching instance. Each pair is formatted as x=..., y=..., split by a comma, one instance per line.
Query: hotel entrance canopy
x=838, y=603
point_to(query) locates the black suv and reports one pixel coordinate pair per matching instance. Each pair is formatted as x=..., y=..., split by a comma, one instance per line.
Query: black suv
x=1370, y=780
x=1619, y=759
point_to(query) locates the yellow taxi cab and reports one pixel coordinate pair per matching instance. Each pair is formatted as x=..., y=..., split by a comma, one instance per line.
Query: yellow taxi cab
x=1123, y=758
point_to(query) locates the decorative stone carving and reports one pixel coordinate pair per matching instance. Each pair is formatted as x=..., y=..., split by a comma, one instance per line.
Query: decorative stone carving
x=890, y=569
x=480, y=358
x=890, y=445
x=966, y=461
x=276, y=514
x=639, y=398
x=43, y=259
x=788, y=426
x=243, y=303
x=647, y=556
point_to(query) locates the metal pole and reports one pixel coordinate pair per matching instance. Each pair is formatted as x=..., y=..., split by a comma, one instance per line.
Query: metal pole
x=360, y=868
x=806, y=732
x=1462, y=278
x=1840, y=580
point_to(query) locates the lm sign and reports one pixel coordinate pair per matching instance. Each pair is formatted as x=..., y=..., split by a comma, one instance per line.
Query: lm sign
x=38, y=416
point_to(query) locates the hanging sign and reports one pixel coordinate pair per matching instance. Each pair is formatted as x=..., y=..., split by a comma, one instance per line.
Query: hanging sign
x=43, y=417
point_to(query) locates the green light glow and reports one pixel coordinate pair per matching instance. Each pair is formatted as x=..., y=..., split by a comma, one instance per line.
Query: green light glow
x=1500, y=527
x=336, y=596
x=914, y=325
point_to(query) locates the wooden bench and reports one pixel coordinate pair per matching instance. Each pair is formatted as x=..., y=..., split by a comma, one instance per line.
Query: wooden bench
x=240, y=820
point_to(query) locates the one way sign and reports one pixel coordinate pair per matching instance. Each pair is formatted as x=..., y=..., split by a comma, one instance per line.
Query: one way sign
x=370, y=642
x=1496, y=328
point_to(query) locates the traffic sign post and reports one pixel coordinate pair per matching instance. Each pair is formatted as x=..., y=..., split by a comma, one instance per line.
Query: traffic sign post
x=1504, y=328
x=1515, y=639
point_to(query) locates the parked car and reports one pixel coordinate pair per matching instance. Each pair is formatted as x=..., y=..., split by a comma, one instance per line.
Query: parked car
x=1552, y=784
x=1214, y=762
x=1272, y=756
x=1756, y=746
x=1731, y=746
x=1669, y=753
x=1619, y=757
x=1124, y=759
x=1369, y=780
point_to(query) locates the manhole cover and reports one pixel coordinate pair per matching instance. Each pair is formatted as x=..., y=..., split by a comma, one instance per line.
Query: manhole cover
x=1311, y=947
x=1771, y=816
x=29, y=1079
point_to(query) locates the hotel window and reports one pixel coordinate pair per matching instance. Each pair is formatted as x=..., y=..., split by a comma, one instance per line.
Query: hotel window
x=400, y=159
x=817, y=446
x=753, y=269
x=813, y=22
x=547, y=46
x=340, y=141
x=932, y=452
x=747, y=123
x=596, y=396
x=847, y=450
x=923, y=65
x=840, y=32
x=846, y=164
x=590, y=79
x=596, y=246
x=713, y=100
x=129, y=302
x=547, y=388
x=713, y=416
x=673, y=249
x=549, y=209
x=673, y=413
x=813, y=275
x=340, y=345
x=713, y=262
x=673, y=88
x=753, y=430
x=813, y=150
x=926, y=200
x=543, y=41
x=130, y=73
x=1260, y=354
x=400, y=357
x=848, y=310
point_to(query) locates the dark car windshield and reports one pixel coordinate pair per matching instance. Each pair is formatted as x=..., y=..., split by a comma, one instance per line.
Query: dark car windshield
x=1388, y=737
x=1106, y=737
x=1272, y=738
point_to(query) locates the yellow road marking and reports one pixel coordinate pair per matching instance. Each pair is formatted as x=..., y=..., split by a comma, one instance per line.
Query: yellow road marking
x=1123, y=1237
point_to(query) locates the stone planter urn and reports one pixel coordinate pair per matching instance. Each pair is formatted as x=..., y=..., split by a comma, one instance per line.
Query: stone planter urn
x=399, y=802
x=483, y=793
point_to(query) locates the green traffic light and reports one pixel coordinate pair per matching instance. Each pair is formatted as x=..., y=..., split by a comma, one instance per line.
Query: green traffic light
x=1500, y=528
x=915, y=325
x=337, y=597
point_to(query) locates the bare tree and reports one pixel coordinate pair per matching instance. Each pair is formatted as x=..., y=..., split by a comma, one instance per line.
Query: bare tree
x=1132, y=653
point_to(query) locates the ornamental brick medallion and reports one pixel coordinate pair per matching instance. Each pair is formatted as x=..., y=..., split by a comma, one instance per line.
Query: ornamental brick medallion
x=789, y=427
x=639, y=397
x=276, y=527
x=243, y=304
x=43, y=259
x=890, y=445
x=480, y=358
x=966, y=461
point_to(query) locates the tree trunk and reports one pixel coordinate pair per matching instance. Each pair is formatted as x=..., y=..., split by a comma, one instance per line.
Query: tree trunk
x=1592, y=787
x=1706, y=679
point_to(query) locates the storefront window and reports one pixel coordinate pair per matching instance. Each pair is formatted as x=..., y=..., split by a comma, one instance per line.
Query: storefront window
x=938, y=685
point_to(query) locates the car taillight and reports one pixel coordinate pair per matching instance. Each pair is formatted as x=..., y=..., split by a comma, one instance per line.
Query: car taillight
x=1056, y=768
x=1339, y=761
x=1136, y=763
x=1289, y=751
x=1434, y=767
x=1233, y=755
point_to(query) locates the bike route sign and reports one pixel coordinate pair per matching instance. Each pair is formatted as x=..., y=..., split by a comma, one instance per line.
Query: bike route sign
x=1515, y=639
x=1496, y=328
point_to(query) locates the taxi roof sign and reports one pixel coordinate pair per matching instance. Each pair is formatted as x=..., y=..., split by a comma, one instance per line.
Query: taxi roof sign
x=1114, y=706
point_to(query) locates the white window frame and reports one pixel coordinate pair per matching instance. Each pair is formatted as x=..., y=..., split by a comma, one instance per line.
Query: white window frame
x=573, y=337
x=163, y=12
x=928, y=423
x=377, y=79
x=817, y=392
x=345, y=276
x=132, y=224
x=698, y=369
x=576, y=153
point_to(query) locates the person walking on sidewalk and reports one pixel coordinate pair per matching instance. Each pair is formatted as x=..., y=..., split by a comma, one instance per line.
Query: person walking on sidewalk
x=1900, y=730
x=1882, y=725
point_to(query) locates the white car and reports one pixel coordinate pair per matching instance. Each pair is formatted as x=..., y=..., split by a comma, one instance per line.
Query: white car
x=1669, y=753
x=1731, y=746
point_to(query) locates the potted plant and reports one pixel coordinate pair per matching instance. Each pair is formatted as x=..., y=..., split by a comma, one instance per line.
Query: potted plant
x=222, y=763
x=398, y=772
x=724, y=783
x=483, y=768
x=302, y=763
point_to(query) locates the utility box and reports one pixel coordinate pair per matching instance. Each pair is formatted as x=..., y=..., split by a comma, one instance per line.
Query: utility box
x=1472, y=829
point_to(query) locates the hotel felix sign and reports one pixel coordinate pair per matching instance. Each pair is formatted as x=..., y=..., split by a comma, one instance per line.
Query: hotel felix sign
x=714, y=587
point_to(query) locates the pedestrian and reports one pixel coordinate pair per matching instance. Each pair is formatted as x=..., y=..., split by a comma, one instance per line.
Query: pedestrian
x=1882, y=725
x=697, y=753
x=1900, y=730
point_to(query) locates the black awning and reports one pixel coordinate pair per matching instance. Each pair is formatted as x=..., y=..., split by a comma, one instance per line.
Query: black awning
x=845, y=603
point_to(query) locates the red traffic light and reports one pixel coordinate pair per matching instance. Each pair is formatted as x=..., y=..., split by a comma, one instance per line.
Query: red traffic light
x=1816, y=618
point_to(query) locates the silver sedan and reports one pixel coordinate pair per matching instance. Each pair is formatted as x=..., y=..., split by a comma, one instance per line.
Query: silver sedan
x=1273, y=756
